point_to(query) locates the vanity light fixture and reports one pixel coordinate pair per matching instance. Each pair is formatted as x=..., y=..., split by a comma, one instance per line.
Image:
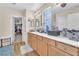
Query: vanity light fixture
x=13, y=3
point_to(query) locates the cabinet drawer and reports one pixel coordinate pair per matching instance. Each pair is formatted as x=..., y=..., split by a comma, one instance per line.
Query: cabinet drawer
x=39, y=37
x=67, y=48
x=53, y=51
x=33, y=35
x=51, y=42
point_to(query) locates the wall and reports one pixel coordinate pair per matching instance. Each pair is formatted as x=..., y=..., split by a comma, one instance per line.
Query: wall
x=27, y=15
x=61, y=22
x=73, y=21
x=5, y=20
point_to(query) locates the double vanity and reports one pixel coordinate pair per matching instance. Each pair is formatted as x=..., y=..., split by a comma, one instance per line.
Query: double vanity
x=47, y=45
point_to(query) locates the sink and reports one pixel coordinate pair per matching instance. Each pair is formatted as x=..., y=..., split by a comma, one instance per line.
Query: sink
x=74, y=39
x=54, y=33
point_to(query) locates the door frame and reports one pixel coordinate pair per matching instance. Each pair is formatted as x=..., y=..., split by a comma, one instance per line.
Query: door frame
x=12, y=30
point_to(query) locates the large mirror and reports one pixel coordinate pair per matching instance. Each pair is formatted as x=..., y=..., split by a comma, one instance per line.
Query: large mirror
x=38, y=22
x=70, y=21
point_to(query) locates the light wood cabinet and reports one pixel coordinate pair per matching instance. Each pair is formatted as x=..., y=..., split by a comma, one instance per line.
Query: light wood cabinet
x=53, y=51
x=39, y=38
x=67, y=48
x=29, y=39
x=42, y=47
x=51, y=42
x=33, y=41
x=45, y=46
x=35, y=44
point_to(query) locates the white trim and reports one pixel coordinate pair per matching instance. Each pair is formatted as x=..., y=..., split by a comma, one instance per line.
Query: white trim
x=5, y=37
x=12, y=28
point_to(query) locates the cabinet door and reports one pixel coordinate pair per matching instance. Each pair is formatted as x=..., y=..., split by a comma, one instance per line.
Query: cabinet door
x=43, y=49
x=39, y=47
x=44, y=46
x=53, y=51
x=35, y=44
x=29, y=39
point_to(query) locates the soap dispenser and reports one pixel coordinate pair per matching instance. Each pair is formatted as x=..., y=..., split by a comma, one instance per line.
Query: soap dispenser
x=47, y=29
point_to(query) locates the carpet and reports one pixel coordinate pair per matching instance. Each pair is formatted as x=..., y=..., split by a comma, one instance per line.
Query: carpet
x=6, y=50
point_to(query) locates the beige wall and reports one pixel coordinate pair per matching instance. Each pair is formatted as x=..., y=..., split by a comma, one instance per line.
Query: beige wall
x=5, y=20
x=28, y=15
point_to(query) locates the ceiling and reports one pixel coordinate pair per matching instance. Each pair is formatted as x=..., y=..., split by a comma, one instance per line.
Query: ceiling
x=22, y=6
x=69, y=6
x=35, y=6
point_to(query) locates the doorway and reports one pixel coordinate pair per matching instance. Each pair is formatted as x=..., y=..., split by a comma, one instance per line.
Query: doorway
x=17, y=28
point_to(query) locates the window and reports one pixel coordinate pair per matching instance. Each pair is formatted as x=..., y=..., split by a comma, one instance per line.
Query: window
x=47, y=17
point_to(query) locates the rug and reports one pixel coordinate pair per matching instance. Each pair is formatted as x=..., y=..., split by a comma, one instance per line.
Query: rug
x=6, y=50
x=25, y=49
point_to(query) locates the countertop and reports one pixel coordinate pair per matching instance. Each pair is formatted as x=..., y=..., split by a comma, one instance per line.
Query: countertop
x=59, y=38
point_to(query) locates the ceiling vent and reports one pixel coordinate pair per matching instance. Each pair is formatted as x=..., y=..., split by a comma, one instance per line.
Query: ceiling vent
x=61, y=4
x=13, y=3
